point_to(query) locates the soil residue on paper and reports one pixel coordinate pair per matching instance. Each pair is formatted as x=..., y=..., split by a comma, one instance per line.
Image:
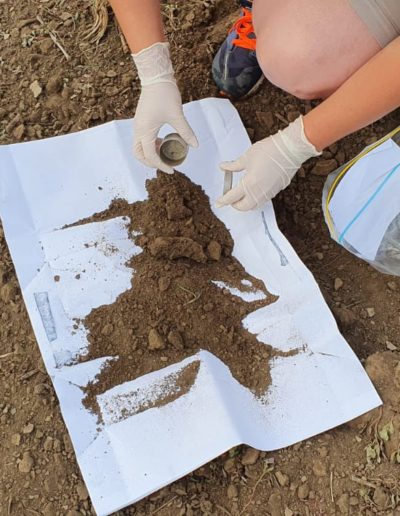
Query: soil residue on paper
x=174, y=308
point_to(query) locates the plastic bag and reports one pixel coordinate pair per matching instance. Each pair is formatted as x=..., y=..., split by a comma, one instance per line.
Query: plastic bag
x=361, y=204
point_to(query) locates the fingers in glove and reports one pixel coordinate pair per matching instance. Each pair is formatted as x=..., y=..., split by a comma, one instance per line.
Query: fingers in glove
x=184, y=130
x=232, y=196
x=245, y=204
x=233, y=166
x=138, y=151
x=152, y=159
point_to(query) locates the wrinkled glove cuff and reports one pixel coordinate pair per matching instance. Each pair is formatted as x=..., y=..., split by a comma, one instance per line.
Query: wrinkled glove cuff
x=296, y=142
x=154, y=64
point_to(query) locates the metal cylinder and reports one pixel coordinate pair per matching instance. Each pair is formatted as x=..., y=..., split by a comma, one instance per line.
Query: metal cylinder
x=173, y=149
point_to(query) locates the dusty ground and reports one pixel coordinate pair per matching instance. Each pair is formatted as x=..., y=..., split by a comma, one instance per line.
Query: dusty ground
x=351, y=470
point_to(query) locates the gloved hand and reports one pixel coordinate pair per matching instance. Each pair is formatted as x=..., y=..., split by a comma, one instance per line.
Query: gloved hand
x=269, y=165
x=159, y=103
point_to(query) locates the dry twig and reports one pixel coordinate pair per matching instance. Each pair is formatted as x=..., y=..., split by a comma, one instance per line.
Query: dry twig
x=164, y=505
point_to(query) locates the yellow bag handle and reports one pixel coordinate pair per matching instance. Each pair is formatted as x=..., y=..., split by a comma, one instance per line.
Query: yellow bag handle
x=343, y=172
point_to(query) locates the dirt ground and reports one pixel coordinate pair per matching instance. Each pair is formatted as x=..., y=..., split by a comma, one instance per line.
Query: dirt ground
x=354, y=469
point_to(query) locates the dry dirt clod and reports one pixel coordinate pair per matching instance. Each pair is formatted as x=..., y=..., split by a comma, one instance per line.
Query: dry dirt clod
x=26, y=463
x=82, y=492
x=229, y=465
x=19, y=132
x=282, y=478
x=381, y=498
x=343, y=503
x=319, y=469
x=214, y=250
x=35, y=88
x=177, y=247
x=164, y=283
x=250, y=457
x=175, y=338
x=28, y=429
x=275, y=504
x=156, y=341
x=370, y=311
x=16, y=439
x=303, y=491
x=324, y=167
x=54, y=85
x=338, y=283
x=232, y=491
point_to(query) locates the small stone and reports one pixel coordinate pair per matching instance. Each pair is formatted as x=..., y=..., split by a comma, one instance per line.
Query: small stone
x=56, y=278
x=370, y=312
x=338, y=284
x=232, y=491
x=288, y=512
x=250, y=457
x=111, y=74
x=82, y=492
x=381, y=498
x=16, y=439
x=282, y=478
x=319, y=256
x=390, y=346
x=19, y=132
x=164, y=283
x=175, y=338
x=214, y=250
x=36, y=89
x=319, y=469
x=26, y=463
x=392, y=285
x=302, y=491
x=324, y=167
x=28, y=429
x=155, y=340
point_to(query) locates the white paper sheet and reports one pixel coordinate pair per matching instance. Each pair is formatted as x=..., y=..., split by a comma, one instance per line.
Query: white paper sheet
x=48, y=184
x=366, y=200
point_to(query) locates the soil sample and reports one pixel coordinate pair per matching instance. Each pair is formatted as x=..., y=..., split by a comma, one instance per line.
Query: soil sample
x=174, y=307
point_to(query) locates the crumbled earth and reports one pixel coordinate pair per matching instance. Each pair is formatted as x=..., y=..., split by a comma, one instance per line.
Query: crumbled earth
x=353, y=469
x=174, y=308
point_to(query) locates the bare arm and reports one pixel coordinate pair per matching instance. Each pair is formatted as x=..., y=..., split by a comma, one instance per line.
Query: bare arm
x=371, y=93
x=140, y=22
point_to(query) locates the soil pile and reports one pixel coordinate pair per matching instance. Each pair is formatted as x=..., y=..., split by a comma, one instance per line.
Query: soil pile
x=182, y=298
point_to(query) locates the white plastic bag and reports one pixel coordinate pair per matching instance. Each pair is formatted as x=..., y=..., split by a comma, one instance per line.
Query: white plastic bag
x=361, y=204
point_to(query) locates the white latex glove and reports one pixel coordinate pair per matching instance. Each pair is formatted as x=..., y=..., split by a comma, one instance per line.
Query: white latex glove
x=269, y=165
x=159, y=103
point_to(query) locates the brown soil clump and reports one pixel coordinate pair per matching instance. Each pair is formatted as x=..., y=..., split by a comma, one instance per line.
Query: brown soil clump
x=174, y=308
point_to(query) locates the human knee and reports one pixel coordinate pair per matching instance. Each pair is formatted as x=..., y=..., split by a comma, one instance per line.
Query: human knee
x=289, y=67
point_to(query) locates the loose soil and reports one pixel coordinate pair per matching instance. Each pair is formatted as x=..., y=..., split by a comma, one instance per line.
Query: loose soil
x=348, y=470
x=174, y=307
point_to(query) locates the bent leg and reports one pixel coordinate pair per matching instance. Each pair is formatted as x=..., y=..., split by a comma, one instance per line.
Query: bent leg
x=310, y=47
